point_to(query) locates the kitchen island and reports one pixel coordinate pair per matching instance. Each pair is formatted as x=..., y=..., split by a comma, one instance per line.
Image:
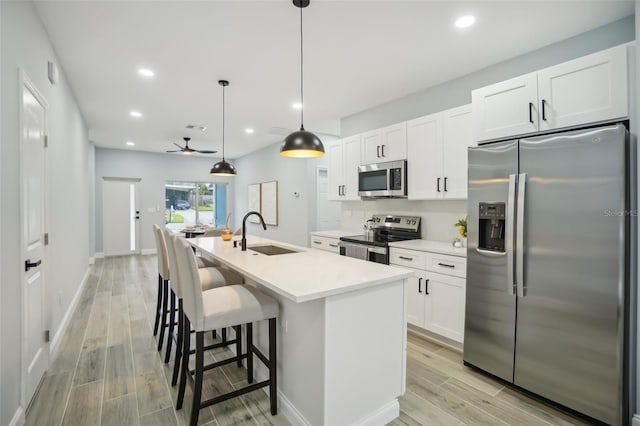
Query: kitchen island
x=342, y=334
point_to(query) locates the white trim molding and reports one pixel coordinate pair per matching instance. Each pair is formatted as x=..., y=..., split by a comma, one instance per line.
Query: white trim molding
x=146, y=252
x=99, y=255
x=57, y=338
x=290, y=411
x=382, y=415
x=18, y=418
x=636, y=420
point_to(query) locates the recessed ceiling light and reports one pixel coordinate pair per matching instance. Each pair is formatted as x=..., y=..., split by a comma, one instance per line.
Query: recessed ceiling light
x=297, y=105
x=130, y=143
x=248, y=130
x=465, y=21
x=145, y=72
x=136, y=114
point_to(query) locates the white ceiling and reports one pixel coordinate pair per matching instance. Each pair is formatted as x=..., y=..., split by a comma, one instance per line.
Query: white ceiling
x=358, y=54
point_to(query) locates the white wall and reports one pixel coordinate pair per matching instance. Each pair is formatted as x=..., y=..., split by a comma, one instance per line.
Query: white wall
x=296, y=215
x=154, y=170
x=25, y=45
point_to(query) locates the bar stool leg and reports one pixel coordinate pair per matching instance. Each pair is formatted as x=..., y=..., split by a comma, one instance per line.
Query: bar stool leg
x=186, y=341
x=158, y=306
x=250, y=352
x=176, y=361
x=238, y=330
x=224, y=335
x=163, y=321
x=172, y=318
x=273, y=367
x=199, y=371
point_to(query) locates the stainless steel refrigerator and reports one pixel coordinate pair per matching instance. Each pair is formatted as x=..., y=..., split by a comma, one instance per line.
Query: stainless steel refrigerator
x=548, y=267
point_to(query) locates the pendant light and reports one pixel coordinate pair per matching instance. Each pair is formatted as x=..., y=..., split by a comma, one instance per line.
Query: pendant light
x=223, y=168
x=301, y=144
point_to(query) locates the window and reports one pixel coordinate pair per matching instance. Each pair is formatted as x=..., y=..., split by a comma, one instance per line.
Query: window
x=195, y=203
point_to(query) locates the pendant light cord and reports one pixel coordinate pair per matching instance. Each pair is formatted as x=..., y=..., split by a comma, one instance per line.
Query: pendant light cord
x=223, y=122
x=301, y=77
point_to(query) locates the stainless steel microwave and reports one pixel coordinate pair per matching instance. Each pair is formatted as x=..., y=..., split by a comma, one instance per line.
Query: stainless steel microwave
x=383, y=180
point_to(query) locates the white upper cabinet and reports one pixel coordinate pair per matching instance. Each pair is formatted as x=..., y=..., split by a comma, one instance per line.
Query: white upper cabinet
x=506, y=108
x=424, y=164
x=586, y=90
x=386, y=144
x=457, y=136
x=437, y=154
x=344, y=159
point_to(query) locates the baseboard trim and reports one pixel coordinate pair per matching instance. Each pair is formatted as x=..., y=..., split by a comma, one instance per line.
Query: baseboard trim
x=18, y=418
x=57, y=338
x=92, y=261
x=636, y=420
x=383, y=415
x=290, y=411
x=146, y=252
x=99, y=255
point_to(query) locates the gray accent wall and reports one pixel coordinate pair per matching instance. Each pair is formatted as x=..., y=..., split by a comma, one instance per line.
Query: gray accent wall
x=24, y=45
x=153, y=170
x=457, y=92
x=296, y=214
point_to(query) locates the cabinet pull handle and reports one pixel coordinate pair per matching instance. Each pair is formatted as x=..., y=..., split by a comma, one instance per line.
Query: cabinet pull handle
x=446, y=265
x=426, y=286
x=333, y=245
x=531, y=112
x=317, y=242
x=410, y=259
x=445, y=184
x=419, y=285
x=382, y=150
x=544, y=112
x=438, y=185
x=378, y=151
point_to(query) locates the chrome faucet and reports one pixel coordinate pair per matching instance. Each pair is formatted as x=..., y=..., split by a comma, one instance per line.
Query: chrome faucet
x=244, y=228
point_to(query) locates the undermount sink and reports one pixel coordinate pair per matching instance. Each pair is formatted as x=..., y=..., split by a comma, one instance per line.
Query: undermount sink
x=271, y=250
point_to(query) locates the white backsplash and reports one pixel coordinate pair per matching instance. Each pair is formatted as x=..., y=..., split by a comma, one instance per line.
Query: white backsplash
x=438, y=217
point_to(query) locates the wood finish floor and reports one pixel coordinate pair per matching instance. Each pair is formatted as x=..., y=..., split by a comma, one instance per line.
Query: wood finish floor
x=107, y=371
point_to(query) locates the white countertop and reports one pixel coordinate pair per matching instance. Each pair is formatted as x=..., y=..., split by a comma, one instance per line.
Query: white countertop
x=431, y=246
x=303, y=276
x=335, y=234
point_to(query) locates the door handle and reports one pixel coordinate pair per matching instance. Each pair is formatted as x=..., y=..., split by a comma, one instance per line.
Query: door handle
x=544, y=115
x=378, y=151
x=445, y=184
x=510, y=234
x=419, y=285
x=531, y=112
x=28, y=264
x=438, y=185
x=426, y=286
x=522, y=183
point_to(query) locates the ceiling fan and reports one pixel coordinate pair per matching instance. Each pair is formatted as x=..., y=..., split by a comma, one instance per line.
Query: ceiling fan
x=188, y=150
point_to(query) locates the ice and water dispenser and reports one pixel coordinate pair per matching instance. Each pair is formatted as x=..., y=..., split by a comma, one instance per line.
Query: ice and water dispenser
x=491, y=227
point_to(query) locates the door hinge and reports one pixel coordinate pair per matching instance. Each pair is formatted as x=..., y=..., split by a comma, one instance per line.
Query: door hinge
x=46, y=141
x=46, y=239
x=47, y=335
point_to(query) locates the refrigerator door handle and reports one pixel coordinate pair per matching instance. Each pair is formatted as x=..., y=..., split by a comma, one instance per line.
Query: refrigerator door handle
x=522, y=182
x=511, y=213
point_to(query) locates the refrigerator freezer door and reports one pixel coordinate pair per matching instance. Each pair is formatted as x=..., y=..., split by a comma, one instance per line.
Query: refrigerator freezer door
x=490, y=307
x=570, y=319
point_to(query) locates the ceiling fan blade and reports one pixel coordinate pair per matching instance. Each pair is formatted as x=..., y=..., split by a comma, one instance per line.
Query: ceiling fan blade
x=179, y=146
x=204, y=151
x=175, y=150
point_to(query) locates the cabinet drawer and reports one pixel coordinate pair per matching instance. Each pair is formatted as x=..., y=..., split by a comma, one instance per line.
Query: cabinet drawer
x=444, y=264
x=410, y=258
x=325, y=243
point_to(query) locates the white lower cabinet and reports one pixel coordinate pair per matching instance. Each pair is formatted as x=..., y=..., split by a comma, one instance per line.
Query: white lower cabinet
x=325, y=243
x=436, y=291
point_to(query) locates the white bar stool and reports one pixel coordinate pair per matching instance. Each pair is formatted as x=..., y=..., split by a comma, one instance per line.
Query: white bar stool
x=229, y=306
x=209, y=278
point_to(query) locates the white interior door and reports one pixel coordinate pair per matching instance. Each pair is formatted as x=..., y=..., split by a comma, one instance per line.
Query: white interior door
x=35, y=347
x=327, y=212
x=120, y=216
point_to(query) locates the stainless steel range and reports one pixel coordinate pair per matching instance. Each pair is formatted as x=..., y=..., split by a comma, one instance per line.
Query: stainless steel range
x=380, y=230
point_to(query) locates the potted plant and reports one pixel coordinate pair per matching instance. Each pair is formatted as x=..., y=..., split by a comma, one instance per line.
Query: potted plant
x=461, y=224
